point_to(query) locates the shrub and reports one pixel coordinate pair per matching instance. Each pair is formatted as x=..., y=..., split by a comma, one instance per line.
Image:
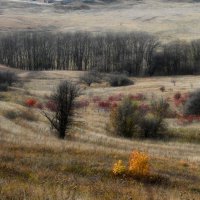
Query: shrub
x=152, y=126
x=31, y=102
x=160, y=107
x=186, y=119
x=82, y=104
x=39, y=106
x=11, y=114
x=119, y=168
x=131, y=119
x=104, y=105
x=137, y=97
x=51, y=105
x=144, y=108
x=177, y=96
x=181, y=101
x=162, y=88
x=6, y=80
x=117, y=80
x=117, y=97
x=192, y=105
x=139, y=164
x=124, y=118
x=3, y=87
x=27, y=115
x=91, y=77
x=96, y=99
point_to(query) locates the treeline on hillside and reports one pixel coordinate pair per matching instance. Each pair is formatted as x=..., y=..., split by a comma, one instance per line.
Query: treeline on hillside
x=137, y=53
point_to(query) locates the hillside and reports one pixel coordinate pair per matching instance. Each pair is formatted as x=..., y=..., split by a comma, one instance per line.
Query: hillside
x=35, y=164
x=99, y=100
x=167, y=19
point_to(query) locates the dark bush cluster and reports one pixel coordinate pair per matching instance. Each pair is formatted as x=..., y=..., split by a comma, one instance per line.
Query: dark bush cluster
x=90, y=77
x=11, y=114
x=129, y=120
x=116, y=80
x=7, y=79
x=125, y=119
x=152, y=126
x=3, y=87
x=23, y=114
x=192, y=104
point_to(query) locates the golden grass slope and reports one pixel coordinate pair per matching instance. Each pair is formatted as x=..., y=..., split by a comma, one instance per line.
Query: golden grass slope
x=34, y=164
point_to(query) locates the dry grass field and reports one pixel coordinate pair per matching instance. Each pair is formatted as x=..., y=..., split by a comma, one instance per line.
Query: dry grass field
x=169, y=19
x=35, y=164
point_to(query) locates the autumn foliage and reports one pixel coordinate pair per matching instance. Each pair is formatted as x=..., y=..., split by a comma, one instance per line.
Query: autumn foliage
x=119, y=168
x=138, y=166
x=31, y=102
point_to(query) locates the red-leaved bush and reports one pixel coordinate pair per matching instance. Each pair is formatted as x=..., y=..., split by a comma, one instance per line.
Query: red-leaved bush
x=187, y=119
x=117, y=97
x=113, y=105
x=104, y=105
x=81, y=104
x=177, y=96
x=31, y=102
x=96, y=99
x=144, y=108
x=137, y=97
x=39, y=106
x=181, y=100
x=51, y=106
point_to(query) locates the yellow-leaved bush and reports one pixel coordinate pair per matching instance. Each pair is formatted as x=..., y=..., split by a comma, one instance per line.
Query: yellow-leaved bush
x=138, y=165
x=119, y=168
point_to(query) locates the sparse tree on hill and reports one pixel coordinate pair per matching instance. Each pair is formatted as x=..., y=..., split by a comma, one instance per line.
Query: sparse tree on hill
x=64, y=99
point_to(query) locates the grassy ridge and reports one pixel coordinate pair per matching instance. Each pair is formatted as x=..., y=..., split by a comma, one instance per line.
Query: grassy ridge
x=36, y=172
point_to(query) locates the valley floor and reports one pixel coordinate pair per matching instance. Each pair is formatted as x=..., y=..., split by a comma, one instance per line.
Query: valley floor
x=169, y=20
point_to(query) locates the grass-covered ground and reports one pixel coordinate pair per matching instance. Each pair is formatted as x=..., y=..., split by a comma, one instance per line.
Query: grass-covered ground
x=39, y=172
x=34, y=164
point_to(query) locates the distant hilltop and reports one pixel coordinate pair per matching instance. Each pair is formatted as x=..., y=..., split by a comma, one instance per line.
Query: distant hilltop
x=53, y=1
x=63, y=1
x=71, y=1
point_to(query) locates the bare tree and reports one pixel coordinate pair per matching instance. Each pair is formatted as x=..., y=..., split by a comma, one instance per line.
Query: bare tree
x=64, y=101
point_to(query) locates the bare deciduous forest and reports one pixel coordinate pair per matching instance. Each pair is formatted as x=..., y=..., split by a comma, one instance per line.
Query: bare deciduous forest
x=138, y=53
